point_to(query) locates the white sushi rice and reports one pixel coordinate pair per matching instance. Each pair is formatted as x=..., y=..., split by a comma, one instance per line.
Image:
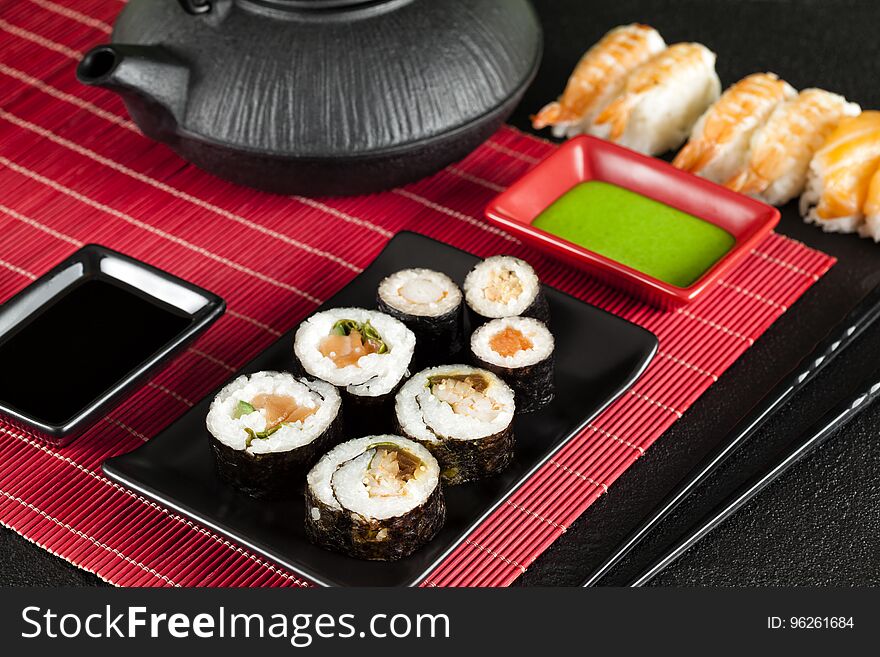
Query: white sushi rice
x=337, y=480
x=810, y=201
x=484, y=275
x=424, y=416
x=871, y=227
x=420, y=292
x=534, y=331
x=373, y=374
x=230, y=430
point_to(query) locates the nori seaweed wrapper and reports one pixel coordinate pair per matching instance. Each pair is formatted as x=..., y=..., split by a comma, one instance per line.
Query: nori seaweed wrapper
x=391, y=539
x=439, y=339
x=539, y=309
x=368, y=415
x=363, y=414
x=462, y=461
x=278, y=474
x=533, y=385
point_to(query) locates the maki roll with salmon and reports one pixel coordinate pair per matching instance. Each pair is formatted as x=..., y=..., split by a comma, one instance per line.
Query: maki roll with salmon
x=463, y=415
x=268, y=428
x=503, y=286
x=377, y=498
x=430, y=304
x=366, y=353
x=520, y=351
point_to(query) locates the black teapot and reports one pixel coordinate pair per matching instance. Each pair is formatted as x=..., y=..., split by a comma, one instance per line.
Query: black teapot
x=319, y=97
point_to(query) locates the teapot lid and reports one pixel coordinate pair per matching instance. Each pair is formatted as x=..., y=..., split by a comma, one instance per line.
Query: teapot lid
x=327, y=78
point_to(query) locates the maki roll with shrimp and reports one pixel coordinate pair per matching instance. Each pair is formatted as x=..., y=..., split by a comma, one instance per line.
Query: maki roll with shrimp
x=268, y=428
x=520, y=351
x=503, y=286
x=377, y=498
x=429, y=303
x=463, y=415
x=364, y=352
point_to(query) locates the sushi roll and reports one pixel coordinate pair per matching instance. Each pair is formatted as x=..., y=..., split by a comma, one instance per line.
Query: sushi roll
x=719, y=144
x=599, y=78
x=503, y=286
x=520, y=351
x=429, y=303
x=464, y=416
x=268, y=428
x=377, y=498
x=366, y=353
x=661, y=101
x=840, y=175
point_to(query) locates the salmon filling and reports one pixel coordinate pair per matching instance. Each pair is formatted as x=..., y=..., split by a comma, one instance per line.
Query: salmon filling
x=504, y=286
x=509, y=342
x=345, y=350
x=349, y=341
x=279, y=409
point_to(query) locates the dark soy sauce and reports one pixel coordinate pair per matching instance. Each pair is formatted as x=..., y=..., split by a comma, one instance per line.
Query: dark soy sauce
x=81, y=345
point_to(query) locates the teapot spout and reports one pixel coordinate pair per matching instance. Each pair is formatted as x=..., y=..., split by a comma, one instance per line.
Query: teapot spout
x=152, y=82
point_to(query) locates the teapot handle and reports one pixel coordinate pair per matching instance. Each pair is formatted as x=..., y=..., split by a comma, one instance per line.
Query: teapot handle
x=196, y=6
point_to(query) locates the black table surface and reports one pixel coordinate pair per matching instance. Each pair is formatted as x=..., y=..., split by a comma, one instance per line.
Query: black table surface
x=818, y=524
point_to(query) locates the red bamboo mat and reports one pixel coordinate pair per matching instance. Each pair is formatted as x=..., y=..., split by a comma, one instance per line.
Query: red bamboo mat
x=73, y=169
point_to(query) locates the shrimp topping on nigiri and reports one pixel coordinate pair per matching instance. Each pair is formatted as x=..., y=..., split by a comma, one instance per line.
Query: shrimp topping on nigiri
x=662, y=100
x=599, y=78
x=841, y=173
x=720, y=140
x=775, y=170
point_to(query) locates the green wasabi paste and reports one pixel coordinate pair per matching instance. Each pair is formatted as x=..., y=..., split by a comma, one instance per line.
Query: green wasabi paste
x=647, y=235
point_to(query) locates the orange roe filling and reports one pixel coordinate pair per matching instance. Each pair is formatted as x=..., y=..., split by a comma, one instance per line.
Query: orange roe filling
x=509, y=342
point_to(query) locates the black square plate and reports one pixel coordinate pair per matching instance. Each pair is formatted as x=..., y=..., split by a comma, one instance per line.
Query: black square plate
x=78, y=339
x=599, y=356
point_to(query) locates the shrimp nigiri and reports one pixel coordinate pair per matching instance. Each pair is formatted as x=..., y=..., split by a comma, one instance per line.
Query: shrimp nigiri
x=775, y=170
x=871, y=227
x=661, y=100
x=599, y=78
x=717, y=148
x=840, y=175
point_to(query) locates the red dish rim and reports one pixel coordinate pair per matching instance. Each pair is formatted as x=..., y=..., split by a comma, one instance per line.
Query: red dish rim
x=588, y=158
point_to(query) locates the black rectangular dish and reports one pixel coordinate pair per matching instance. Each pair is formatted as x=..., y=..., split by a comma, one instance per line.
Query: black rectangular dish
x=88, y=332
x=598, y=357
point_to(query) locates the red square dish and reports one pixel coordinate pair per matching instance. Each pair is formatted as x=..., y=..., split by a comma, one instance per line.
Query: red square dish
x=586, y=158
